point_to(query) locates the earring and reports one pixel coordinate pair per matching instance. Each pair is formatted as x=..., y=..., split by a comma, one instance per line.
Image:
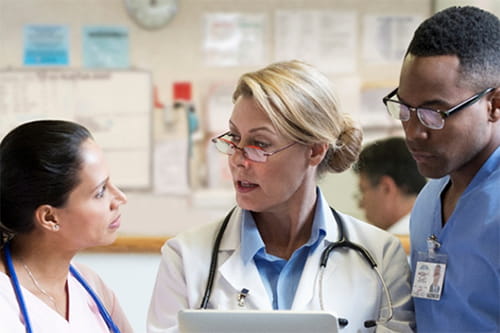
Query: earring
x=55, y=227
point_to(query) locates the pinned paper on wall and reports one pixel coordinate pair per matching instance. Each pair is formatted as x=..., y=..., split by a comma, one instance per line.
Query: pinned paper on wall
x=219, y=106
x=327, y=39
x=386, y=37
x=46, y=45
x=375, y=119
x=114, y=105
x=105, y=47
x=171, y=167
x=218, y=173
x=234, y=39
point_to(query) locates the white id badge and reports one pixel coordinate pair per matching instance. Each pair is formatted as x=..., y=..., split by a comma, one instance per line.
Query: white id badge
x=429, y=272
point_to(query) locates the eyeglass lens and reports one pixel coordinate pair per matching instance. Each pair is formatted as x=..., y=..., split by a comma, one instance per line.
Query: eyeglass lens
x=428, y=117
x=228, y=147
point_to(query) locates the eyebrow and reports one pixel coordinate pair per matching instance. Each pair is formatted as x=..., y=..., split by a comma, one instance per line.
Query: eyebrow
x=101, y=184
x=426, y=103
x=262, y=128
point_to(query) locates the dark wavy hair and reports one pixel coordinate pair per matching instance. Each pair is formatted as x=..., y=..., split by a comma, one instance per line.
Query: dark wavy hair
x=471, y=34
x=390, y=157
x=39, y=164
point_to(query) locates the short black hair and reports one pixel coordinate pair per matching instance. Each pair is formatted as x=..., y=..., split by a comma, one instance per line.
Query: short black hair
x=390, y=157
x=471, y=34
x=39, y=164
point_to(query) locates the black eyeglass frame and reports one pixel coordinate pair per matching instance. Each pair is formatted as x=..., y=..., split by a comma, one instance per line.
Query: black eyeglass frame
x=444, y=114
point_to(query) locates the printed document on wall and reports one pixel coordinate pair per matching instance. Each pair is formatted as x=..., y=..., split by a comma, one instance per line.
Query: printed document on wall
x=385, y=37
x=326, y=38
x=114, y=105
x=233, y=39
x=219, y=107
x=46, y=45
x=171, y=167
x=105, y=47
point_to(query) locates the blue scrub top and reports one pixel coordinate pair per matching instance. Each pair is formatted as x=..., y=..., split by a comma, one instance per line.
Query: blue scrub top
x=470, y=300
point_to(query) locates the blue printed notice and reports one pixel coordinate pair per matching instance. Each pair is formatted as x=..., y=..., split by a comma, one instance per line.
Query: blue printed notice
x=105, y=47
x=46, y=45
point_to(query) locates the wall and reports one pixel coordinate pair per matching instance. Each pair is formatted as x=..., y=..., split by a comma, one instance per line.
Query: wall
x=122, y=271
x=174, y=54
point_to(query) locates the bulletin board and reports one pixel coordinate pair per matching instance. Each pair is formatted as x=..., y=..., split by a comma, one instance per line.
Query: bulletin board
x=244, y=36
x=116, y=106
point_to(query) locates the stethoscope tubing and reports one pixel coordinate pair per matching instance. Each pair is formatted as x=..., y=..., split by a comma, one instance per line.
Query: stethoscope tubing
x=102, y=309
x=213, y=261
x=17, y=287
x=22, y=305
x=342, y=242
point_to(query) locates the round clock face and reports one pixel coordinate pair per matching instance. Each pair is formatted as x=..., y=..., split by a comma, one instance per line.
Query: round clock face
x=151, y=14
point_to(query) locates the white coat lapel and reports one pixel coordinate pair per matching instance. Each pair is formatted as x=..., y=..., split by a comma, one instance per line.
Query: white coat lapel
x=237, y=274
x=241, y=276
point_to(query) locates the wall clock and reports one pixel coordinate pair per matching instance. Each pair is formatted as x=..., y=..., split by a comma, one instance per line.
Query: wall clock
x=151, y=14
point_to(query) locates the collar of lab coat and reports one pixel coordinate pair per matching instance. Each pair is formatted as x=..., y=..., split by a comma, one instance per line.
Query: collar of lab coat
x=233, y=242
x=240, y=276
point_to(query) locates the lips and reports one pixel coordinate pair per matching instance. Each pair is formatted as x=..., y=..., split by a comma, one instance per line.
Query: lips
x=245, y=186
x=116, y=223
x=421, y=156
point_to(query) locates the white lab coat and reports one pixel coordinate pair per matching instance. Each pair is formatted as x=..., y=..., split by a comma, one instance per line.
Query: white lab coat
x=351, y=288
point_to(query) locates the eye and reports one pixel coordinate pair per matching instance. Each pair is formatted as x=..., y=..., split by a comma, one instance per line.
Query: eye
x=260, y=144
x=101, y=192
x=234, y=137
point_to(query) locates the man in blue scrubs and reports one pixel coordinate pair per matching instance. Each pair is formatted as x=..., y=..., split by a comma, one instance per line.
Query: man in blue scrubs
x=448, y=101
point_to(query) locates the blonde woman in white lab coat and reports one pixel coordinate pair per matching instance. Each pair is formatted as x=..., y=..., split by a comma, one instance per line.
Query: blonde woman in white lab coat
x=285, y=132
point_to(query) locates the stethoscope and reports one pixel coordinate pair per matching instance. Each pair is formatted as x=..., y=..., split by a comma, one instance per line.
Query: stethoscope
x=20, y=299
x=342, y=242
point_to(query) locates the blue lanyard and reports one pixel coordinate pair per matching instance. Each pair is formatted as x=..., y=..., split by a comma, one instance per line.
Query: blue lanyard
x=17, y=287
x=20, y=299
x=104, y=313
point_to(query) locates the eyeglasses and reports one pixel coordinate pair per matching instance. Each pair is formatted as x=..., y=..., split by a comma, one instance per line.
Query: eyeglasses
x=433, y=119
x=253, y=153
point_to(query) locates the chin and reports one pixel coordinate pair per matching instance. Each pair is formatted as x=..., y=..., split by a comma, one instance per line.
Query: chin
x=108, y=239
x=432, y=172
x=248, y=205
x=113, y=237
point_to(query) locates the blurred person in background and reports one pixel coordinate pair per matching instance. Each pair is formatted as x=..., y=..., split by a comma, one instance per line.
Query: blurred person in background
x=388, y=183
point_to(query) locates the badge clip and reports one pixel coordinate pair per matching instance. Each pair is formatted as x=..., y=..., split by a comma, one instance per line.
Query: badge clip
x=432, y=245
x=241, y=296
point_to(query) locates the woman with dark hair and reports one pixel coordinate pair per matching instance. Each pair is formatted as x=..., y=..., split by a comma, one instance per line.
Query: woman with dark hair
x=56, y=199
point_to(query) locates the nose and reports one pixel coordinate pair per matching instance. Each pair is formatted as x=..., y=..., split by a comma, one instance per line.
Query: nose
x=119, y=198
x=238, y=157
x=414, y=129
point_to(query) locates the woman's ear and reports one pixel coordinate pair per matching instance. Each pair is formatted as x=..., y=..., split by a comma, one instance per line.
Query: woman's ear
x=317, y=153
x=46, y=218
